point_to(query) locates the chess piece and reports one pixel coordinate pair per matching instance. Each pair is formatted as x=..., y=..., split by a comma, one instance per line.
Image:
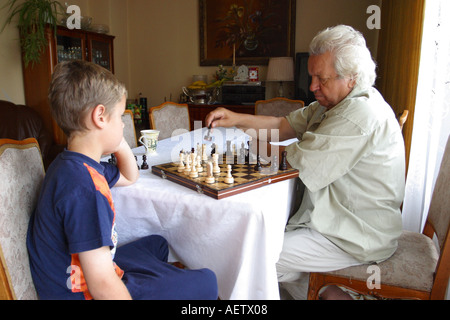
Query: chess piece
x=135, y=158
x=216, y=168
x=258, y=164
x=193, y=173
x=209, y=173
x=229, y=178
x=187, y=169
x=199, y=164
x=274, y=165
x=144, y=165
x=204, y=156
x=283, y=164
x=181, y=164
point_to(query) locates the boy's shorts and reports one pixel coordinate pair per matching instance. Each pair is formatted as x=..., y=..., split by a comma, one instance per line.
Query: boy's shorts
x=148, y=276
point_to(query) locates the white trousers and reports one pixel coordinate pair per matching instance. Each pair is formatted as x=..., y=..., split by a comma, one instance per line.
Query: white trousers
x=305, y=251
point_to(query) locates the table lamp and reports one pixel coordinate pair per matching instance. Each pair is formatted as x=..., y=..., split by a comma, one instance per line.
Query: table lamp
x=281, y=69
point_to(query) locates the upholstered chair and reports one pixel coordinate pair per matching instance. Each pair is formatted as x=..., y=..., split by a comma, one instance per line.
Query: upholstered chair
x=278, y=107
x=419, y=269
x=129, y=131
x=21, y=176
x=169, y=117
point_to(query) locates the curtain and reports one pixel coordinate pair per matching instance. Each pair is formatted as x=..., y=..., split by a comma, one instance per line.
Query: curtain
x=398, y=57
x=432, y=115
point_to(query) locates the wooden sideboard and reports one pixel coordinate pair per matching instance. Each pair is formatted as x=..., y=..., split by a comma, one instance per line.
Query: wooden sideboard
x=198, y=112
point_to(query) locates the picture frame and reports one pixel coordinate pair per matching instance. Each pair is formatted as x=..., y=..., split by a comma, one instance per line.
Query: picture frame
x=268, y=31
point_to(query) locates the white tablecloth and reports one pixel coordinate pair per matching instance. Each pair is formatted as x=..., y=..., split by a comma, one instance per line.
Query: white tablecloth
x=239, y=238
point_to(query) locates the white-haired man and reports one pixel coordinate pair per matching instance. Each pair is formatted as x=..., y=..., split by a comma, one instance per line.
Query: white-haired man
x=350, y=156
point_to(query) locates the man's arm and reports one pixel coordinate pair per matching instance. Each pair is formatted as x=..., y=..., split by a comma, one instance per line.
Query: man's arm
x=222, y=117
x=102, y=281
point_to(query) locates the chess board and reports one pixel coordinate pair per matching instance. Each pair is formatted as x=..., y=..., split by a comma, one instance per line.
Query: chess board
x=245, y=178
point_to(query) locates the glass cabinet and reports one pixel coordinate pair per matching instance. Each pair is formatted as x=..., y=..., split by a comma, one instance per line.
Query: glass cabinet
x=65, y=45
x=83, y=45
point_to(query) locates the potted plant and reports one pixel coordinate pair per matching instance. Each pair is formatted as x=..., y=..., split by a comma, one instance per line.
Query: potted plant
x=33, y=16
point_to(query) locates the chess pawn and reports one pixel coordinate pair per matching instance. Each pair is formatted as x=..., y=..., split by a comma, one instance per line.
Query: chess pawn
x=181, y=164
x=274, y=166
x=187, y=170
x=229, y=178
x=193, y=173
x=209, y=173
x=144, y=165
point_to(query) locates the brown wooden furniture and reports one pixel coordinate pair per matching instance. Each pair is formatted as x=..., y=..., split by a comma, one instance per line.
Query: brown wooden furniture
x=198, y=112
x=66, y=45
x=417, y=270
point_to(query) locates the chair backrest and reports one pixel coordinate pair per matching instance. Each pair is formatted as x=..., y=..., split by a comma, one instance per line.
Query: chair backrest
x=402, y=117
x=438, y=223
x=277, y=107
x=129, y=131
x=21, y=176
x=168, y=117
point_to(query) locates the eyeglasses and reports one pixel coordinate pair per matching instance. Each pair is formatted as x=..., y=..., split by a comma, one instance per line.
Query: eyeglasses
x=324, y=81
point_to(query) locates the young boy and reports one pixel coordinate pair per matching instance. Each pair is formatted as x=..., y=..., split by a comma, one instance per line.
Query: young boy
x=71, y=237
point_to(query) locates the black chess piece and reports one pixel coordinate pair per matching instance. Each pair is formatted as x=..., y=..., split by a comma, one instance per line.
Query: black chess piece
x=139, y=168
x=258, y=166
x=112, y=159
x=283, y=164
x=144, y=165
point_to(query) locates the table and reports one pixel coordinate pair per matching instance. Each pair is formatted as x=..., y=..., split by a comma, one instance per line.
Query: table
x=239, y=238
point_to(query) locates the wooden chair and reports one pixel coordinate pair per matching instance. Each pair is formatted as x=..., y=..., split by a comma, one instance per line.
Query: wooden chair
x=129, y=131
x=277, y=107
x=417, y=270
x=402, y=117
x=21, y=176
x=169, y=117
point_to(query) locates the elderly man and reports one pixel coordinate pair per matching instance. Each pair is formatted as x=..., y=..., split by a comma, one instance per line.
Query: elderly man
x=350, y=156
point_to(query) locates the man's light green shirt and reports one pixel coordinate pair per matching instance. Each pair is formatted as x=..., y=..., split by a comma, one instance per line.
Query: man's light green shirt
x=352, y=161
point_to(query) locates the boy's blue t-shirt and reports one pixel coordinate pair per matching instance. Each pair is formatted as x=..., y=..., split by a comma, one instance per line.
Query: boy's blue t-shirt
x=75, y=213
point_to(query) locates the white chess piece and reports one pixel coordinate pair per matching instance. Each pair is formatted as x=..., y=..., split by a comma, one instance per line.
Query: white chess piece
x=181, y=165
x=229, y=178
x=199, y=164
x=209, y=173
x=187, y=170
x=216, y=168
x=193, y=173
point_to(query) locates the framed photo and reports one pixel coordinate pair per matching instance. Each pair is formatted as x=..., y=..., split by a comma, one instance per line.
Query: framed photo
x=246, y=31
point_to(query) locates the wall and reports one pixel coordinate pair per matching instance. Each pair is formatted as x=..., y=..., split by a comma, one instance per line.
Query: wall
x=157, y=42
x=165, y=40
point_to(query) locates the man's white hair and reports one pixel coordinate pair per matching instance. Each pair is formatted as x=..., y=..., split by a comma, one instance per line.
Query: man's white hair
x=352, y=57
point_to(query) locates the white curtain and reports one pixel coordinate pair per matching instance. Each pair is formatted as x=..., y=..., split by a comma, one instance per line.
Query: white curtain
x=432, y=115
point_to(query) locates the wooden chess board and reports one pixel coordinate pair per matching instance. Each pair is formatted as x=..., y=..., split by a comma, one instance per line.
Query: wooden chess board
x=245, y=178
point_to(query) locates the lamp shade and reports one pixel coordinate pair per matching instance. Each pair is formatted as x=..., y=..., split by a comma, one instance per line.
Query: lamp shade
x=281, y=69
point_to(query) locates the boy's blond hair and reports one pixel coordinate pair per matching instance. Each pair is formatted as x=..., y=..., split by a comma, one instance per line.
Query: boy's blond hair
x=77, y=87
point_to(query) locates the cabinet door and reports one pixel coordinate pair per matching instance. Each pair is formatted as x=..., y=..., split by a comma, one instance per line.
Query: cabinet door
x=100, y=50
x=70, y=45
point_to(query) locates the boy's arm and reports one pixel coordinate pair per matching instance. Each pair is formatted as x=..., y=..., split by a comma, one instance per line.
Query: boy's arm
x=102, y=281
x=126, y=163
